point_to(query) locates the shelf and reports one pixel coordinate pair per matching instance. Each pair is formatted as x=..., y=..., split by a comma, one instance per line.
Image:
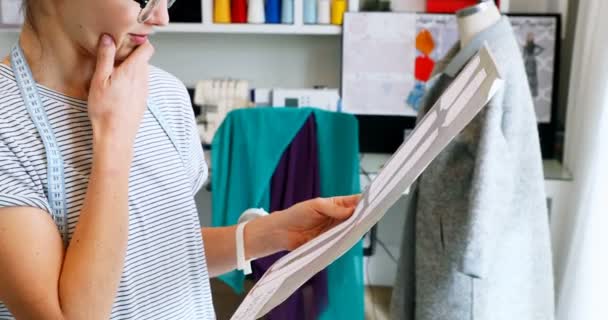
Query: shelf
x=237, y=29
x=251, y=29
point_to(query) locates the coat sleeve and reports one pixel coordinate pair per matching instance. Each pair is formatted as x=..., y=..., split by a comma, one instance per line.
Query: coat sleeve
x=507, y=181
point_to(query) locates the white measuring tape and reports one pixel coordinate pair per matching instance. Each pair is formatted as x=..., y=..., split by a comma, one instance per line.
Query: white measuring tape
x=55, y=168
x=55, y=173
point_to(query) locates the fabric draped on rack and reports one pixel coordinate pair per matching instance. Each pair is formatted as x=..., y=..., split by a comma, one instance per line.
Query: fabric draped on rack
x=246, y=152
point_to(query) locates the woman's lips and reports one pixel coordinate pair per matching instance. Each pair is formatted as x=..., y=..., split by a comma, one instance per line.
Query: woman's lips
x=138, y=39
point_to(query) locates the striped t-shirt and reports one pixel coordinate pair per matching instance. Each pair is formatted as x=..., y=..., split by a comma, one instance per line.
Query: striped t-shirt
x=165, y=273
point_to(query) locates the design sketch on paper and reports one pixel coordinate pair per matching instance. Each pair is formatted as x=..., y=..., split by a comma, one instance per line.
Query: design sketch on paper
x=423, y=67
x=378, y=63
x=435, y=36
x=388, y=59
x=536, y=37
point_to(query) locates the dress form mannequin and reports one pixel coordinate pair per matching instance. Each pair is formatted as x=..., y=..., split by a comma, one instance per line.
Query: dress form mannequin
x=475, y=19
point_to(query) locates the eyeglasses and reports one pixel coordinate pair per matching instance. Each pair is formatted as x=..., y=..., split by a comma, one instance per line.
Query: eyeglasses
x=148, y=6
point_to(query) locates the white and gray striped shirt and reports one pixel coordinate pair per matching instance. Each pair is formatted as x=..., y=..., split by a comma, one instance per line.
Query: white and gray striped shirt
x=165, y=273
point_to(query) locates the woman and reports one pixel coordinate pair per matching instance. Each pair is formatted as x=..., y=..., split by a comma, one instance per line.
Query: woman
x=135, y=246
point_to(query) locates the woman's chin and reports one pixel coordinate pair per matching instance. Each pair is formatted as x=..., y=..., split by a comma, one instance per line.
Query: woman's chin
x=124, y=52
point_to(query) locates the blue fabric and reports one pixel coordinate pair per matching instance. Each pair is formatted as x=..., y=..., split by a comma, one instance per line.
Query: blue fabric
x=246, y=150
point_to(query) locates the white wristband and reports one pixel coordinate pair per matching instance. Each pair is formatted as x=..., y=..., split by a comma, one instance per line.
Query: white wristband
x=241, y=262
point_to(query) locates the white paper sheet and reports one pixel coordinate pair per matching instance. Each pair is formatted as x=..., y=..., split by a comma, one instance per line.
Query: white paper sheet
x=466, y=96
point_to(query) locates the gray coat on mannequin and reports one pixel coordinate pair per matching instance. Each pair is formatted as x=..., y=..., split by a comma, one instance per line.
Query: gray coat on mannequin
x=482, y=245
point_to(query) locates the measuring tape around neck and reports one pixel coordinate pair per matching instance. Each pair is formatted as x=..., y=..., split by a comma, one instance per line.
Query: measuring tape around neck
x=55, y=169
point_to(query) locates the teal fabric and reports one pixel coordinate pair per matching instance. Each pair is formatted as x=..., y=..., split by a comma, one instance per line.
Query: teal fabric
x=337, y=135
x=245, y=152
x=243, y=166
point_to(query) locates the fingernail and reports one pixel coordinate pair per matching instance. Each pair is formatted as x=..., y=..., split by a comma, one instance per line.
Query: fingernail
x=106, y=40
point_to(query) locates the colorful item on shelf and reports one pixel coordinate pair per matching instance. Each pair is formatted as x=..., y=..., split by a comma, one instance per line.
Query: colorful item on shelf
x=310, y=11
x=337, y=11
x=238, y=11
x=323, y=12
x=255, y=12
x=450, y=6
x=287, y=11
x=221, y=11
x=273, y=11
x=354, y=5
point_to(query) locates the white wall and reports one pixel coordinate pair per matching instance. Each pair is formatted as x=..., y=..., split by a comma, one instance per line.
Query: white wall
x=7, y=40
x=265, y=60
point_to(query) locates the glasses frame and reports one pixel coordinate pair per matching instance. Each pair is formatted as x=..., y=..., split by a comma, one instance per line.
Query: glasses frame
x=147, y=7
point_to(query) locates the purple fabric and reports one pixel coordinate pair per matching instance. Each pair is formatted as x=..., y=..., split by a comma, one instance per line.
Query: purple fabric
x=296, y=179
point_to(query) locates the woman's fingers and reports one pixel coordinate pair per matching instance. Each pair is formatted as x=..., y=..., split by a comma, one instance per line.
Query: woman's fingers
x=347, y=201
x=141, y=56
x=118, y=93
x=105, y=60
x=338, y=207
